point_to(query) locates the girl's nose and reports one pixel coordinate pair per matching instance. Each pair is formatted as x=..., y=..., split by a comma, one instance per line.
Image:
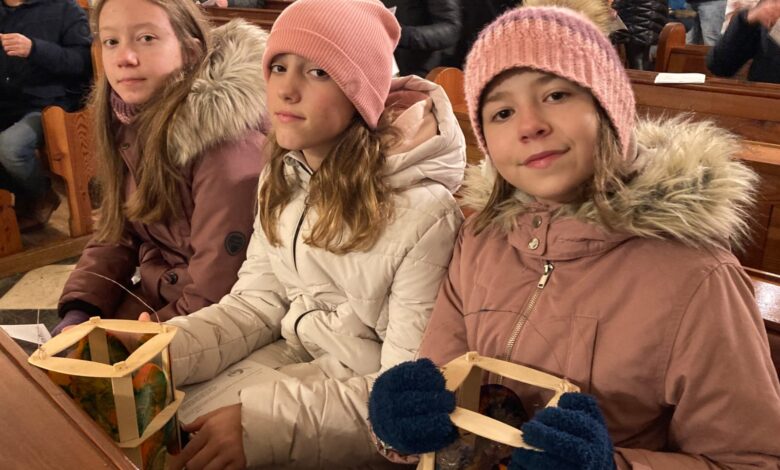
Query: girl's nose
x=126, y=56
x=532, y=124
x=288, y=89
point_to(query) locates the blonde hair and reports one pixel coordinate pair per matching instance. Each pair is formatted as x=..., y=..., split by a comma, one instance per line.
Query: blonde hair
x=157, y=196
x=348, y=192
x=609, y=176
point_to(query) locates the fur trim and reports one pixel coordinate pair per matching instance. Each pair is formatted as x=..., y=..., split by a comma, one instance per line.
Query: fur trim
x=596, y=11
x=229, y=96
x=689, y=187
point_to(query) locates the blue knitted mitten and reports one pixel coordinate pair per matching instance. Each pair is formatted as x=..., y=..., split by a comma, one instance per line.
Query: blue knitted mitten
x=409, y=408
x=572, y=436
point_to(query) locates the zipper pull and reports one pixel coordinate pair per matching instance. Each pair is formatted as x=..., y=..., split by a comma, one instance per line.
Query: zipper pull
x=548, y=269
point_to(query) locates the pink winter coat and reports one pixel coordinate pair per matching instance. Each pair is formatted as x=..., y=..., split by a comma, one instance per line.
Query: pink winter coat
x=655, y=318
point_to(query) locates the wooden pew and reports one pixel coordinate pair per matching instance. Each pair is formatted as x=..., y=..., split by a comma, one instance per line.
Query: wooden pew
x=749, y=109
x=762, y=155
x=261, y=17
x=674, y=55
x=277, y=4
x=69, y=146
x=767, y=289
x=10, y=241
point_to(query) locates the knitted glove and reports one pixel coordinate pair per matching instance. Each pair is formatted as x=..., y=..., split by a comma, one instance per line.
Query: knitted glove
x=409, y=408
x=72, y=318
x=572, y=436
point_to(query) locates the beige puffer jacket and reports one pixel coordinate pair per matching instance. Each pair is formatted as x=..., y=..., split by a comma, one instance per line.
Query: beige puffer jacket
x=344, y=318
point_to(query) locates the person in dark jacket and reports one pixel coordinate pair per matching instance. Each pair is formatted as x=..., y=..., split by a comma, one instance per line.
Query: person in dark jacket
x=475, y=15
x=430, y=29
x=44, y=60
x=748, y=37
x=644, y=19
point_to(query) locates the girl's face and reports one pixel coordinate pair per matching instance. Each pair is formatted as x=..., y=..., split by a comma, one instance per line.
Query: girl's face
x=308, y=109
x=541, y=132
x=140, y=49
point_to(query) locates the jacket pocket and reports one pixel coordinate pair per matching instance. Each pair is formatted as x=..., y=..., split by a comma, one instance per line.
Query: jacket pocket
x=579, y=364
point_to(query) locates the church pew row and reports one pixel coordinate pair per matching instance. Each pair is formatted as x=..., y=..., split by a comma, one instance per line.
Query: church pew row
x=674, y=55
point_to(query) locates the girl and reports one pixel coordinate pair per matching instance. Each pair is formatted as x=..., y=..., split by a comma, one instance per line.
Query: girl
x=354, y=232
x=178, y=120
x=598, y=260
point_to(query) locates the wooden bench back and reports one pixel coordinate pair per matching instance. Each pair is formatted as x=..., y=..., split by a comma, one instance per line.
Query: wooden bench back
x=674, y=55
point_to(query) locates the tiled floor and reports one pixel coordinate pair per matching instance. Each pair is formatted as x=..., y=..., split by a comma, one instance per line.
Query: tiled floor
x=26, y=297
x=32, y=297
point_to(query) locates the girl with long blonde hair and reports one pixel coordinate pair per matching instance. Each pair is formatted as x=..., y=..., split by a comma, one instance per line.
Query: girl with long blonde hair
x=355, y=227
x=179, y=112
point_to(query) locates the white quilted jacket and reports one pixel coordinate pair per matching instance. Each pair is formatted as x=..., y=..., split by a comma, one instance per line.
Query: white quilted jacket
x=343, y=318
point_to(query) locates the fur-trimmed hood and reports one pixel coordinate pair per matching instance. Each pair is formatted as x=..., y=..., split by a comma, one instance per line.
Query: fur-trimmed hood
x=228, y=97
x=689, y=187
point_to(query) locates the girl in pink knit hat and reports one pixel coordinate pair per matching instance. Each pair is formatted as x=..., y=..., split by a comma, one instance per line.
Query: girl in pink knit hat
x=600, y=252
x=355, y=228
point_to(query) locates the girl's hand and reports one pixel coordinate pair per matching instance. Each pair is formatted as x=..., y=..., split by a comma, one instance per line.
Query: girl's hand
x=409, y=408
x=216, y=442
x=571, y=436
x=766, y=12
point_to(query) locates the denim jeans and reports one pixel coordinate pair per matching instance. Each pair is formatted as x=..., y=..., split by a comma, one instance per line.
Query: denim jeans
x=21, y=169
x=707, y=26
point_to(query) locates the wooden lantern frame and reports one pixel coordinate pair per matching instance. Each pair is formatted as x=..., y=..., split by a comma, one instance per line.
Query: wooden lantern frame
x=119, y=373
x=463, y=375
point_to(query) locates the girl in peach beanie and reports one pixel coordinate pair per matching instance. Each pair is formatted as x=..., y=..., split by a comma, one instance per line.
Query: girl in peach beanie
x=599, y=253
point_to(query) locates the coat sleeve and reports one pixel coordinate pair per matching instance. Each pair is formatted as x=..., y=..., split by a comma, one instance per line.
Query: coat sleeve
x=442, y=32
x=324, y=423
x=70, y=57
x=739, y=43
x=721, y=384
x=224, y=191
x=445, y=337
x=92, y=286
x=249, y=317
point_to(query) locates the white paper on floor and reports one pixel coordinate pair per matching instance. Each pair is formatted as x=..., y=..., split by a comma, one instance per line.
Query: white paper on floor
x=38, y=289
x=31, y=333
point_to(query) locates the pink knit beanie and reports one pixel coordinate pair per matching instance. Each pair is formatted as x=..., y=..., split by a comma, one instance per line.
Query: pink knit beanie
x=560, y=38
x=352, y=40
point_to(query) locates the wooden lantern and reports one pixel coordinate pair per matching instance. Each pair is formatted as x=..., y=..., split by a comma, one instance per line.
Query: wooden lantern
x=119, y=373
x=463, y=375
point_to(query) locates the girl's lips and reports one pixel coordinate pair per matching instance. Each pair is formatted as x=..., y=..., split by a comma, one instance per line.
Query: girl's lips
x=543, y=160
x=287, y=118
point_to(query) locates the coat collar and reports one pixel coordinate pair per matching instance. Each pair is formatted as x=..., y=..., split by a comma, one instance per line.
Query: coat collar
x=689, y=187
x=228, y=96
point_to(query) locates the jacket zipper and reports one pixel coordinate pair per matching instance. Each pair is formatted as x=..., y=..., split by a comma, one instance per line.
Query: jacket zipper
x=529, y=308
x=295, y=237
x=300, y=224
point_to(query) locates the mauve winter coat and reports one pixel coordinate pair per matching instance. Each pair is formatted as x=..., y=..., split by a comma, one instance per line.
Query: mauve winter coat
x=191, y=262
x=656, y=318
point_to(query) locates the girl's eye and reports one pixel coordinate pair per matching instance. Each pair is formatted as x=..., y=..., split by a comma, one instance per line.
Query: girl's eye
x=276, y=68
x=147, y=38
x=557, y=96
x=109, y=42
x=319, y=73
x=502, y=115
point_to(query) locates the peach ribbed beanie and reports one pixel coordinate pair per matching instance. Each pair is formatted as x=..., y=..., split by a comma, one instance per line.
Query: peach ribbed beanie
x=352, y=40
x=560, y=38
